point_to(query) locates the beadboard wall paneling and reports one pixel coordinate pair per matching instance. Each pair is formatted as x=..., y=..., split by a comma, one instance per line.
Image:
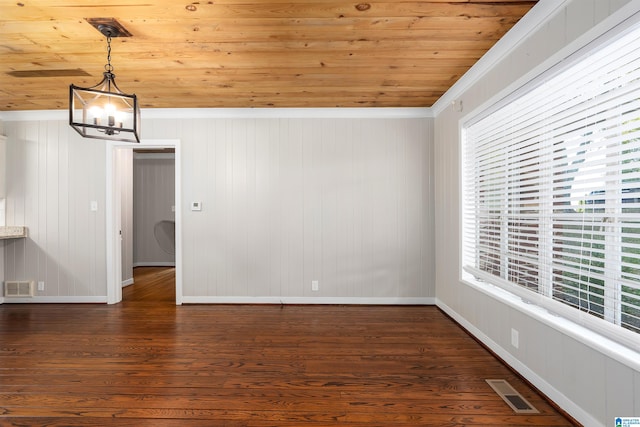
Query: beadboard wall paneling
x=592, y=386
x=3, y=167
x=285, y=201
x=52, y=178
x=2, y=243
x=346, y=202
x=153, y=197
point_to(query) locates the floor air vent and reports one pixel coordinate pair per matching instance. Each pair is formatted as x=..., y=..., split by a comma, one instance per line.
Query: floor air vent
x=18, y=289
x=519, y=404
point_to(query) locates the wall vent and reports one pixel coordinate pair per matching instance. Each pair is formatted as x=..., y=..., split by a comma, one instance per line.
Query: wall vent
x=18, y=289
x=519, y=404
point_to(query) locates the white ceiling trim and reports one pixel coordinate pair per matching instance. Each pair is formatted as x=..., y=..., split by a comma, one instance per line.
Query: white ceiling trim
x=279, y=113
x=529, y=23
x=233, y=113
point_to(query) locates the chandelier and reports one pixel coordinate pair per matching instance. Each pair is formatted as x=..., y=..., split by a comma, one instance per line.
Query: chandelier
x=103, y=111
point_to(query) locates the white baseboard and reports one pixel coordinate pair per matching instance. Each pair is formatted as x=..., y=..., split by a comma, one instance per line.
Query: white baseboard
x=127, y=282
x=154, y=264
x=242, y=300
x=309, y=300
x=58, y=300
x=551, y=392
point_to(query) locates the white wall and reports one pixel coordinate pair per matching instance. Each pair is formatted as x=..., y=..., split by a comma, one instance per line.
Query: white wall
x=3, y=166
x=2, y=243
x=52, y=178
x=591, y=385
x=123, y=159
x=347, y=202
x=153, y=198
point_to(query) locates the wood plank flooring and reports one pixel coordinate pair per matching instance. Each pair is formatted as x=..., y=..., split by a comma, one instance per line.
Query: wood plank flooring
x=151, y=363
x=152, y=284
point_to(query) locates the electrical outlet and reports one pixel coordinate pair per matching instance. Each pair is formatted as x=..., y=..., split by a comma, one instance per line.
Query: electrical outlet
x=315, y=286
x=515, y=338
x=41, y=286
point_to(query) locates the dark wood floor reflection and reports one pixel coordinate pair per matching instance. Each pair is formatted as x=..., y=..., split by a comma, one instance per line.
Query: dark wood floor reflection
x=158, y=364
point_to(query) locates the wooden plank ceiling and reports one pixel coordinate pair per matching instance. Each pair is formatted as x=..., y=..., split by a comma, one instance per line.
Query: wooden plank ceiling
x=249, y=53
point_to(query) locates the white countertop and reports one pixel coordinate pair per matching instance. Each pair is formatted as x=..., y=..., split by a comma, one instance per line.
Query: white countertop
x=13, y=232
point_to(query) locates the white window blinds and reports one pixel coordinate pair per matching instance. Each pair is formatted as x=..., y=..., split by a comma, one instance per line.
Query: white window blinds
x=551, y=187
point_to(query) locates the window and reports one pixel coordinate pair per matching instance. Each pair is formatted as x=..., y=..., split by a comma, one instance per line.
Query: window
x=551, y=187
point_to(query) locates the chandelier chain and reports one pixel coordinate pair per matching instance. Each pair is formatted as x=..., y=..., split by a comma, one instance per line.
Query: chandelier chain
x=108, y=67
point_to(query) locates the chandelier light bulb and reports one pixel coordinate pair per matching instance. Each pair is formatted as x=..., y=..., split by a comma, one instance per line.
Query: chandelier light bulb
x=110, y=111
x=96, y=113
x=120, y=116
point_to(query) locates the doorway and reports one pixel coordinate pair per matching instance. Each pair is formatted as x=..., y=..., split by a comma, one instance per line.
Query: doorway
x=148, y=225
x=119, y=171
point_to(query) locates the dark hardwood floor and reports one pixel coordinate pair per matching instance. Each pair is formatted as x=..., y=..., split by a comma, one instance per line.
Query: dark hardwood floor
x=148, y=362
x=152, y=284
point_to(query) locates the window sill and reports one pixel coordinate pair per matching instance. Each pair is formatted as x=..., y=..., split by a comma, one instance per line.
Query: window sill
x=619, y=352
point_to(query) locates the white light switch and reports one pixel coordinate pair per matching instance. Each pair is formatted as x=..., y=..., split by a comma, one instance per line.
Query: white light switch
x=173, y=208
x=196, y=206
x=94, y=206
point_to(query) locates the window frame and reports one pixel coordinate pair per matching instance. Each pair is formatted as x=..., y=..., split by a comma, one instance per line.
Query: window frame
x=581, y=321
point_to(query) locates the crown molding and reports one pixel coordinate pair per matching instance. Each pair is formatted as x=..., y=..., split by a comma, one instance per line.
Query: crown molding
x=536, y=17
x=241, y=113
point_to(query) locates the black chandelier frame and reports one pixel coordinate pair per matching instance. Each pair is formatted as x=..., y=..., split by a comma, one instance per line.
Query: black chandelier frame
x=103, y=111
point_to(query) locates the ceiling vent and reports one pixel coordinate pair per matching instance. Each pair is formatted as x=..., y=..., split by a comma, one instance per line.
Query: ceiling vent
x=48, y=73
x=519, y=404
x=17, y=289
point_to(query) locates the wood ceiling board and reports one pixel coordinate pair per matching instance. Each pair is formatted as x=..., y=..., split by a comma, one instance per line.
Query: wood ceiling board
x=234, y=53
x=49, y=11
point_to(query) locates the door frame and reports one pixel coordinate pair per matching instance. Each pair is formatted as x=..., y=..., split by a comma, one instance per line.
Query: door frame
x=114, y=216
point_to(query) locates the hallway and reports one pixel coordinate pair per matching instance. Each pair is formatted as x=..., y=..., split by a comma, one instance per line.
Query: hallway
x=151, y=284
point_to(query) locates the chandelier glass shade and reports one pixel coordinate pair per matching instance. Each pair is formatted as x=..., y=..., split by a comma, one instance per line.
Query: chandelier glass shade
x=103, y=111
